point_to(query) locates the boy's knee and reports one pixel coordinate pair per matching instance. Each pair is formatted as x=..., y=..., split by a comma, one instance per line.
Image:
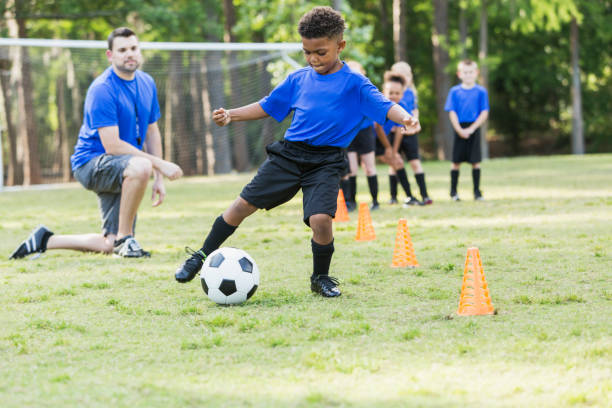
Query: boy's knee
x=320, y=223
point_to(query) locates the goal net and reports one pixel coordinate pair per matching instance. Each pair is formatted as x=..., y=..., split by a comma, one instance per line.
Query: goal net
x=44, y=83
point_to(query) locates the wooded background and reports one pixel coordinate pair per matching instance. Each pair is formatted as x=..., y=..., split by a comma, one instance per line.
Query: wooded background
x=546, y=63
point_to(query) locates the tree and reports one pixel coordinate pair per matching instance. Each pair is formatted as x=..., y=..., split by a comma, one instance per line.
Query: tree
x=484, y=71
x=577, y=127
x=399, y=30
x=442, y=131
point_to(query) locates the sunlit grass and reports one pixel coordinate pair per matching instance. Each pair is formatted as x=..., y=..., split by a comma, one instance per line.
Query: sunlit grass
x=91, y=330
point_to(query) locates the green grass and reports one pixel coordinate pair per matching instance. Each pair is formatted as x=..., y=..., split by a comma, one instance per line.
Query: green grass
x=91, y=330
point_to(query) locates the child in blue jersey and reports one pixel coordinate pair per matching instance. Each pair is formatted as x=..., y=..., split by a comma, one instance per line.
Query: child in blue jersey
x=410, y=143
x=468, y=108
x=390, y=137
x=329, y=104
x=361, y=149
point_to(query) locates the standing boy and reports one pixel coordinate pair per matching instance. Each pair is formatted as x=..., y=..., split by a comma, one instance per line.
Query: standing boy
x=468, y=107
x=120, y=120
x=329, y=103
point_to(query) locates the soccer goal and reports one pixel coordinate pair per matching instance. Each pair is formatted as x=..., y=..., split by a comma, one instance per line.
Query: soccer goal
x=44, y=82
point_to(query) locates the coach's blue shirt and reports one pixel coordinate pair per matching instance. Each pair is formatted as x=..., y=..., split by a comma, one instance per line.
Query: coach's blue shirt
x=329, y=109
x=112, y=101
x=467, y=103
x=408, y=101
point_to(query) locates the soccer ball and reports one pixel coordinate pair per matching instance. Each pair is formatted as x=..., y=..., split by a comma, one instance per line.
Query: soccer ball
x=229, y=276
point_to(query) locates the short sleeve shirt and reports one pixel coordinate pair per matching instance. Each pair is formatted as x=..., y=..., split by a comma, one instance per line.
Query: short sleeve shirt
x=467, y=103
x=409, y=101
x=112, y=101
x=328, y=110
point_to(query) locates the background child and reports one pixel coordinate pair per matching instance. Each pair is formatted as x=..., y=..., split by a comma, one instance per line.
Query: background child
x=410, y=143
x=393, y=88
x=362, y=148
x=467, y=105
x=329, y=102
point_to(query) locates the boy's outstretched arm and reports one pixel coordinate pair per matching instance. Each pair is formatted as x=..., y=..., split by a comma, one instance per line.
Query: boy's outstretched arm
x=399, y=115
x=253, y=111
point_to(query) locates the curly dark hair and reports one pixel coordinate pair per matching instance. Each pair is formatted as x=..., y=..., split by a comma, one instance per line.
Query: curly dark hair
x=321, y=22
x=391, y=76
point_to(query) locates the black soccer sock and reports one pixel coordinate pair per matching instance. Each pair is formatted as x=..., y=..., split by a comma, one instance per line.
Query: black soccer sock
x=321, y=258
x=373, y=184
x=420, y=179
x=476, y=180
x=393, y=186
x=346, y=189
x=353, y=184
x=403, y=179
x=219, y=232
x=454, y=182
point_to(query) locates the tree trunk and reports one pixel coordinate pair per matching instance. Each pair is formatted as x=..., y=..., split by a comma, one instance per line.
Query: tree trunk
x=76, y=115
x=62, y=130
x=195, y=93
x=239, y=129
x=462, y=30
x=13, y=175
x=27, y=124
x=209, y=152
x=399, y=30
x=484, y=71
x=337, y=4
x=577, y=124
x=171, y=102
x=442, y=129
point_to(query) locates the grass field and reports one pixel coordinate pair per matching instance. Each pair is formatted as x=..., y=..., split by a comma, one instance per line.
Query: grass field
x=91, y=330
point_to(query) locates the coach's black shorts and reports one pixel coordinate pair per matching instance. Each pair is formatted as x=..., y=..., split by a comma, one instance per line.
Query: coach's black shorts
x=364, y=142
x=467, y=150
x=409, y=146
x=294, y=165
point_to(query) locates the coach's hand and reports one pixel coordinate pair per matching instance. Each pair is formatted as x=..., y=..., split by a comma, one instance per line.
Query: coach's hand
x=158, y=190
x=170, y=170
x=221, y=117
x=411, y=125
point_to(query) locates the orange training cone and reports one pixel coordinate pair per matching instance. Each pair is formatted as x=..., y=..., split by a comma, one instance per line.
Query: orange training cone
x=475, y=298
x=403, y=254
x=365, y=229
x=341, y=211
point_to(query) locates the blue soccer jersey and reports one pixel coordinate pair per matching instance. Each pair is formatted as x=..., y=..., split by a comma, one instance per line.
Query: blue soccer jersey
x=328, y=110
x=467, y=103
x=408, y=101
x=112, y=101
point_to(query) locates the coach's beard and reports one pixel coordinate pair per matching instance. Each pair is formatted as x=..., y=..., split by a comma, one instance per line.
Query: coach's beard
x=128, y=69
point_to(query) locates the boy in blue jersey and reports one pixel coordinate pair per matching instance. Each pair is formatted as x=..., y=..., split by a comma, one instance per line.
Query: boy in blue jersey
x=120, y=119
x=390, y=137
x=410, y=143
x=468, y=108
x=329, y=104
x=361, y=149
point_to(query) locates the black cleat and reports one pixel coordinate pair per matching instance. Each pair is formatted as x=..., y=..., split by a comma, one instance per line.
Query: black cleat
x=410, y=201
x=455, y=198
x=426, y=201
x=190, y=268
x=478, y=196
x=374, y=206
x=393, y=201
x=351, y=206
x=325, y=285
x=35, y=243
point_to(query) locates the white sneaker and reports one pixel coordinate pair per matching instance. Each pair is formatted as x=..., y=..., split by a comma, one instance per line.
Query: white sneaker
x=128, y=247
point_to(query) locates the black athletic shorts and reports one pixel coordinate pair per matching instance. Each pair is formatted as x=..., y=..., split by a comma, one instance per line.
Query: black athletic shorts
x=409, y=146
x=364, y=142
x=467, y=150
x=294, y=165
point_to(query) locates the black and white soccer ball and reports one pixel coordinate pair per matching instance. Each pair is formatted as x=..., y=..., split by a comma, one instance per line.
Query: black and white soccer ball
x=229, y=276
